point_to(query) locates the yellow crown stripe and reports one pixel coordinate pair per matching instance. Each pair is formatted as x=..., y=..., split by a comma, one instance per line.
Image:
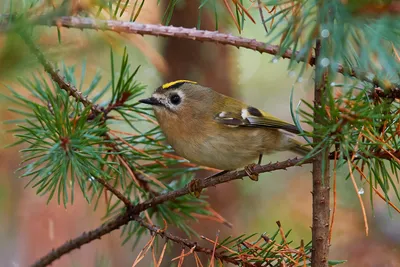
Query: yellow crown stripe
x=168, y=85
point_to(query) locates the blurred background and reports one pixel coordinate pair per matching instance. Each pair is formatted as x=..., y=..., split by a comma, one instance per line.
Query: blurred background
x=29, y=227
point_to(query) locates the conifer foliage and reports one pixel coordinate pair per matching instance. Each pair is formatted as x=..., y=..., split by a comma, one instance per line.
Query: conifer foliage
x=69, y=144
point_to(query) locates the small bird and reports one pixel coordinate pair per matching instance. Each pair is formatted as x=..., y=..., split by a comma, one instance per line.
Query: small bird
x=218, y=131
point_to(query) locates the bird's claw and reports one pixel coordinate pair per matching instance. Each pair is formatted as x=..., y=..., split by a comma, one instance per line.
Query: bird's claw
x=249, y=169
x=193, y=185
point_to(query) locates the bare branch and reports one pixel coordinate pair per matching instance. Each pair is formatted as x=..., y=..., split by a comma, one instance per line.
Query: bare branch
x=198, y=35
x=169, y=31
x=191, y=34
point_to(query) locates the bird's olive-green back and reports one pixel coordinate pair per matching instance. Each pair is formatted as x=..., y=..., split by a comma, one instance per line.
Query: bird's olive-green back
x=200, y=102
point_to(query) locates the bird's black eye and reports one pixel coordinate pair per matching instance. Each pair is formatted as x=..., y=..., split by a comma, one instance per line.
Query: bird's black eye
x=175, y=99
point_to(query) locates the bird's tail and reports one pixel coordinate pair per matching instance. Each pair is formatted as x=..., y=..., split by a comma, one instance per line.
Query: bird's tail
x=299, y=147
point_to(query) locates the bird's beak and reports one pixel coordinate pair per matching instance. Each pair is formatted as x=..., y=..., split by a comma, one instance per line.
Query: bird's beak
x=151, y=101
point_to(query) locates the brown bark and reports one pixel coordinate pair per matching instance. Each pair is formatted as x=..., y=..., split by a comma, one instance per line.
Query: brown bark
x=321, y=180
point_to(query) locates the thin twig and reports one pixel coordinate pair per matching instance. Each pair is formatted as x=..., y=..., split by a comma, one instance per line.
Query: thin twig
x=171, y=31
x=59, y=79
x=199, y=35
x=113, y=190
x=134, y=178
x=260, y=9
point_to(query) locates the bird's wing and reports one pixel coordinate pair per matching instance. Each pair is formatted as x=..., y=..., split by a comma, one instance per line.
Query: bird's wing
x=253, y=117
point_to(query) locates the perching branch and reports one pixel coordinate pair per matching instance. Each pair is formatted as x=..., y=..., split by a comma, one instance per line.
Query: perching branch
x=132, y=213
x=135, y=210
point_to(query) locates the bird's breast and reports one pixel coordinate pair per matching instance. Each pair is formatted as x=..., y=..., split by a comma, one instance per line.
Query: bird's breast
x=221, y=147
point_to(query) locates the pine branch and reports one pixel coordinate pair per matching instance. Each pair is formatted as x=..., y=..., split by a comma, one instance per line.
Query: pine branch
x=74, y=92
x=169, y=31
x=59, y=79
x=321, y=182
x=203, y=36
x=321, y=190
x=132, y=212
x=135, y=210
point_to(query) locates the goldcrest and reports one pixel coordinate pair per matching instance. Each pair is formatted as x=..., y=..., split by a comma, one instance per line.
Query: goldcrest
x=218, y=131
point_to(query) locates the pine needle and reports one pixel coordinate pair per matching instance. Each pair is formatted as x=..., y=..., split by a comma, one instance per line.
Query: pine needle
x=359, y=197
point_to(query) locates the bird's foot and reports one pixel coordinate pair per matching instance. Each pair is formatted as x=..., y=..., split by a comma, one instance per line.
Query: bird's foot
x=193, y=187
x=249, y=169
x=194, y=183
